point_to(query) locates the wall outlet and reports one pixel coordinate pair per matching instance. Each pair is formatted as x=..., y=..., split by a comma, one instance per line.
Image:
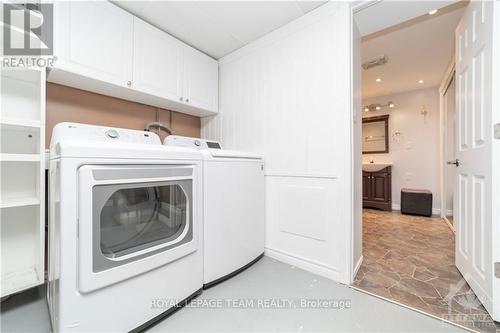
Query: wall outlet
x=408, y=176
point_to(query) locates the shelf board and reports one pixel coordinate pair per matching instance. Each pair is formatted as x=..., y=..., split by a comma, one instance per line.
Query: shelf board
x=20, y=158
x=12, y=282
x=19, y=202
x=20, y=122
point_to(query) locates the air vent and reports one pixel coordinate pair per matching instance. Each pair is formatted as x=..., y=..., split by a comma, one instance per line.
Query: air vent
x=378, y=61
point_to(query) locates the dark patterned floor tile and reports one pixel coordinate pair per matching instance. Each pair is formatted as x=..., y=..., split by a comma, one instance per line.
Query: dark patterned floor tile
x=407, y=298
x=411, y=260
x=419, y=288
x=382, y=279
x=423, y=274
x=398, y=265
x=374, y=288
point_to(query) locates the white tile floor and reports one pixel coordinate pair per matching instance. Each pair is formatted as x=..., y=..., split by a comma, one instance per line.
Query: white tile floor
x=266, y=281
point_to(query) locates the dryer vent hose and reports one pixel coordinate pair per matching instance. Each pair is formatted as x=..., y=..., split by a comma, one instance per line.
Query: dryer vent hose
x=157, y=124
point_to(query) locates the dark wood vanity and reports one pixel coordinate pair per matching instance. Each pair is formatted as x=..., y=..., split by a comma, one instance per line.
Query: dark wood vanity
x=377, y=184
x=377, y=189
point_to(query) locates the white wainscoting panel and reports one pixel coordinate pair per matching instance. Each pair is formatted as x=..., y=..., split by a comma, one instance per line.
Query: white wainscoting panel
x=300, y=221
x=286, y=96
x=299, y=206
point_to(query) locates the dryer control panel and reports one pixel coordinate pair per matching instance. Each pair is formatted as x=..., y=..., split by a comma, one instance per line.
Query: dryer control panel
x=196, y=143
x=111, y=135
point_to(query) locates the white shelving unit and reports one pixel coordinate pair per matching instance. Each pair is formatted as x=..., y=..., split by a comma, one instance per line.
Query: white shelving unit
x=22, y=179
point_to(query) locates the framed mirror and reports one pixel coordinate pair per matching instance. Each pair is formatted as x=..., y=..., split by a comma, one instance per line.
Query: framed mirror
x=375, y=135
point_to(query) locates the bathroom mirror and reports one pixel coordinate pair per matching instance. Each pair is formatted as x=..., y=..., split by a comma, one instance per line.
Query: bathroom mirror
x=375, y=135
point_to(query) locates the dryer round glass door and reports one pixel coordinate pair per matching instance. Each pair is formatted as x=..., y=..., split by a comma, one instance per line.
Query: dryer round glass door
x=133, y=219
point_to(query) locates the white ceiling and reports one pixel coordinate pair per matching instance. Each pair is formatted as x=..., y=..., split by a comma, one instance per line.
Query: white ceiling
x=218, y=27
x=383, y=14
x=420, y=49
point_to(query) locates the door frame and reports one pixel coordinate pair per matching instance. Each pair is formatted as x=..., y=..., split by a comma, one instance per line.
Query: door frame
x=495, y=54
x=443, y=88
x=353, y=264
x=354, y=114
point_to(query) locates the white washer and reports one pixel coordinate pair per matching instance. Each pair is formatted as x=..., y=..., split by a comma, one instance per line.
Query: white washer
x=233, y=206
x=125, y=243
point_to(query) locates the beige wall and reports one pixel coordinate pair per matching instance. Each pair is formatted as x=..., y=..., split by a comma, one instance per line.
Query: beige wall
x=70, y=104
x=416, y=153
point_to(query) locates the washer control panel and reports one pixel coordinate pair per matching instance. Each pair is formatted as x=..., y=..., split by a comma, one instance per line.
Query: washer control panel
x=185, y=141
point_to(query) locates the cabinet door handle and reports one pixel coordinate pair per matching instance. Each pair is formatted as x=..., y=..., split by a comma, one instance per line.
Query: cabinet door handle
x=187, y=100
x=456, y=162
x=181, y=99
x=129, y=83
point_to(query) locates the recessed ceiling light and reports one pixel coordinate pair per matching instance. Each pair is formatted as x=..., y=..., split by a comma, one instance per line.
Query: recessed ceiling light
x=377, y=107
x=391, y=105
x=432, y=12
x=420, y=81
x=367, y=109
x=378, y=79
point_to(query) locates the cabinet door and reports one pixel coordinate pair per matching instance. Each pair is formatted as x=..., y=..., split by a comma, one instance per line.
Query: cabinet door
x=380, y=190
x=367, y=188
x=94, y=39
x=157, y=62
x=202, y=74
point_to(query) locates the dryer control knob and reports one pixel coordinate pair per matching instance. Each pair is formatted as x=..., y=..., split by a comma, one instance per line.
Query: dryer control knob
x=112, y=134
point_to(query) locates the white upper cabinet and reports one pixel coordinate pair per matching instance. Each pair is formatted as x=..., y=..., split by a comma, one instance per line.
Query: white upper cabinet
x=102, y=48
x=94, y=39
x=202, y=77
x=157, y=62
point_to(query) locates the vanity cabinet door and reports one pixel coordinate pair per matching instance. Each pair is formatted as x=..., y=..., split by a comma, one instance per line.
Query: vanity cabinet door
x=367, y=188
x=377, y=187
x=380, y=191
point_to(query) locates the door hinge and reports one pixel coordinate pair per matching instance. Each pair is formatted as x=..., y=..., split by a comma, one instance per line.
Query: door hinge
x=497, y=270
x=497, y=131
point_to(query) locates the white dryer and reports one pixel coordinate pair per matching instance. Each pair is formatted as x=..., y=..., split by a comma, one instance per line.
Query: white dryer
x=233, y=206
x=125, y=243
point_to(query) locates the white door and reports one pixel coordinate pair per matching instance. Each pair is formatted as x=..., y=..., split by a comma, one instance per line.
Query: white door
x=94, y=39
x=473, y=179
x=157, y=62
x=202, y=73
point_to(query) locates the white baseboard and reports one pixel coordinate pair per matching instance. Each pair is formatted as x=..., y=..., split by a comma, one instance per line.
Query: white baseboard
x=436, y=211
x=449, y=224
x=356, y=268
x=312, y=266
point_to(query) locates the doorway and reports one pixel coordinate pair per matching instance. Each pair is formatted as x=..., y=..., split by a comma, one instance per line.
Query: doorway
x=449, y=153
x=410, y=259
